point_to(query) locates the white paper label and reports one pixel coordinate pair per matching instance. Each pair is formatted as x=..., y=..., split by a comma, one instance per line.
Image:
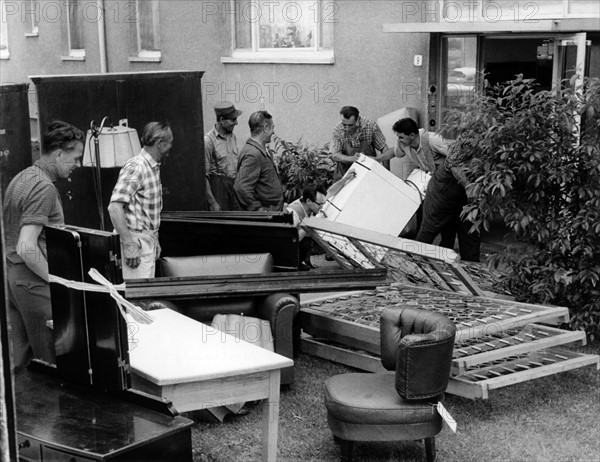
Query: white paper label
x=446, y=416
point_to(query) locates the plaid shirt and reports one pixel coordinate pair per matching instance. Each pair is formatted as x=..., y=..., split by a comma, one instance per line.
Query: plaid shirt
x=139, y=188
x=367, y=130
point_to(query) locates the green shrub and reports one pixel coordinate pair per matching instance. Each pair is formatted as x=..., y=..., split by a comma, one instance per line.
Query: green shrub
x=532, y=169
x=300, y=164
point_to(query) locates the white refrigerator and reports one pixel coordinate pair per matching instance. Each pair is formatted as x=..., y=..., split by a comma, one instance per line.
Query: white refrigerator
x=372, y=198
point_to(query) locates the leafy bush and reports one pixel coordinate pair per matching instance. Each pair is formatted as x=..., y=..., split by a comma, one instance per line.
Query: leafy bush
x=532, y=169
x=301, y=164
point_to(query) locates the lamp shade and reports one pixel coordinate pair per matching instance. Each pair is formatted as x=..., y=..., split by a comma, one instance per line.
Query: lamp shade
x=117, y=145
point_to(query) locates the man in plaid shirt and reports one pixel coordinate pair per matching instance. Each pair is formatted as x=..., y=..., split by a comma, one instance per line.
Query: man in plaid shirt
x=354, y=134
x=136, y=202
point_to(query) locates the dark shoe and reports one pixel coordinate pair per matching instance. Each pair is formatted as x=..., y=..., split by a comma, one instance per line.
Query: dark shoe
x=303, y=267
x=328, y=258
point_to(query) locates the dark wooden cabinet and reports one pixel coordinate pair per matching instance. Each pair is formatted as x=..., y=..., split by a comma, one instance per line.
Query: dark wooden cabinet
x=15, y=133
x=139, y=97
x=60, y=421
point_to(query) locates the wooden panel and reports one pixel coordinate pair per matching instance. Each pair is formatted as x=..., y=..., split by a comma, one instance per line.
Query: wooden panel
x=249, y=284
x=187, y=237
x=15, y=132
x=341, y=355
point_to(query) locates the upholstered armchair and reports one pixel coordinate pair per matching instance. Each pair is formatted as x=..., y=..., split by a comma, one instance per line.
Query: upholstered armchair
x=417, y=345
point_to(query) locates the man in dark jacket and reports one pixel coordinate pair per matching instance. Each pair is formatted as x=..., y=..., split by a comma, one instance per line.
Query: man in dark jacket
x=257, y=185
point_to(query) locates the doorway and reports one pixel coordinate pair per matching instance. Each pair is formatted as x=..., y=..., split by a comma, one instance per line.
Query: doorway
x=467, y=59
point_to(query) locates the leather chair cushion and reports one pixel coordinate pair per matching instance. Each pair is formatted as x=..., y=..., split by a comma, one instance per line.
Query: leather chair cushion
x=371, y=399
x=418, y=344
x=216, y=265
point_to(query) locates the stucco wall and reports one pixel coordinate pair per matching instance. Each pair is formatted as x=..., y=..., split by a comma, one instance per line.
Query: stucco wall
x=372, y=70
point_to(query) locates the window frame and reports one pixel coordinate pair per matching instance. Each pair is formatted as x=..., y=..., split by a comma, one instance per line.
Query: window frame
x=4, y=53
x=140, y=54
x=306, y=55
x=74, y=54
x=34, y=16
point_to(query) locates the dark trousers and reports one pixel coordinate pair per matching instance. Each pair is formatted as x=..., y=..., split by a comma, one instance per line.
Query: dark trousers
x=443, y=204
x=305, y=247
x=222, y=189
x=29, y=308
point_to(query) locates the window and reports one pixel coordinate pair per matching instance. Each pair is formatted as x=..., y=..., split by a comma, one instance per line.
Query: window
x=461, y=71
x=32, y=16
x=3, y=32
x=289, y=31
x=75, y=30
x=526, y=11
x=146, y=31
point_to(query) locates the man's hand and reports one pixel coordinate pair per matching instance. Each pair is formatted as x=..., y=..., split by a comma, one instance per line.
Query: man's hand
x=131, y=250
x=357, y=156
x=214, y=206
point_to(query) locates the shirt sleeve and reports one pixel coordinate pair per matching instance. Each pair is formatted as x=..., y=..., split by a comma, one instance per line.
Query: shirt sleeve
x=245, y=182
x=378, y=139
x=336, y=143
x=209, y=148
x=39, y=205
x=129, y=181
x=438, y=144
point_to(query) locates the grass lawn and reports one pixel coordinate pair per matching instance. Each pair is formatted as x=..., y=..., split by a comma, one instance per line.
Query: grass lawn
x=554, y=418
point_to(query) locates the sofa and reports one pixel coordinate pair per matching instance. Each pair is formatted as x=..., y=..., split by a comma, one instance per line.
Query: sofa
x=279, y=309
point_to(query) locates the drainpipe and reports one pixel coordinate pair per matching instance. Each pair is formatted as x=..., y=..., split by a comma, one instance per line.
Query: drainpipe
x=102, y=37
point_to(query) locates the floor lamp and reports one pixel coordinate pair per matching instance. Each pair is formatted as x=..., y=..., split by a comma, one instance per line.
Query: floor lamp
x=113, y=146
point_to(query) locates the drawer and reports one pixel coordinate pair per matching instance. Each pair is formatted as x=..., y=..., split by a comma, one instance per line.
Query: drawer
x=56, y=455
x=29, y=449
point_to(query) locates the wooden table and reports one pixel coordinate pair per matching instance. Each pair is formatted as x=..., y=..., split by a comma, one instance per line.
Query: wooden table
x=196, y=367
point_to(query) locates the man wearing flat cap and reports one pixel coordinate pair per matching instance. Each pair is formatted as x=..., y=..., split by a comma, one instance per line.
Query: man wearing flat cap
x=221, y=158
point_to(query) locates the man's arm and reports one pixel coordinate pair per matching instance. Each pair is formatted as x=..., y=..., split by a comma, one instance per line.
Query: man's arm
x=337, y=146
x=29, y=251
x=245, y=181
x=209, y=148
x=131, y=248
x=379, y=141
x=388, y=154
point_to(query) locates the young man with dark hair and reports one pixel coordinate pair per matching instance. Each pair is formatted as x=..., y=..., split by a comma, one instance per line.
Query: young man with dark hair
x=425, y=150
x=354, y=134
x=31, y=202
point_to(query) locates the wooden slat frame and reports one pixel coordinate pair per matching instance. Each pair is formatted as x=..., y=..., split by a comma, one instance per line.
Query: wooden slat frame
x=462, y=386
x=434, y=255
x=558, y=337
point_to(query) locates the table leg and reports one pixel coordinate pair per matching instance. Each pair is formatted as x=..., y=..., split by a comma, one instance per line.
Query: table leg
x=271, y=418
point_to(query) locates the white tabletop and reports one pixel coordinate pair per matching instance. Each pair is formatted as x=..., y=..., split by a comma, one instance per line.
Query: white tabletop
x=177, y=349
